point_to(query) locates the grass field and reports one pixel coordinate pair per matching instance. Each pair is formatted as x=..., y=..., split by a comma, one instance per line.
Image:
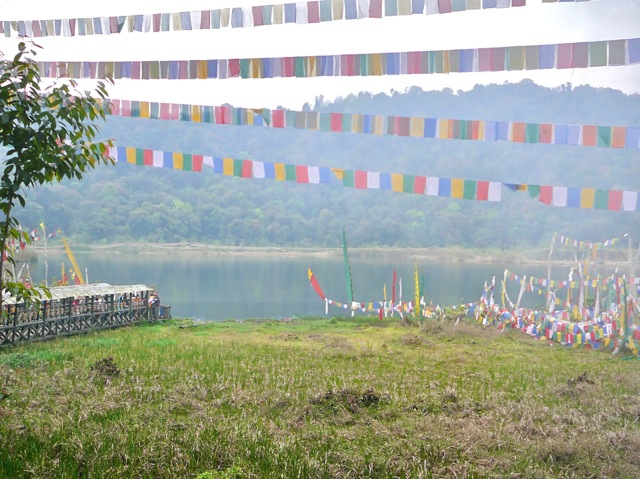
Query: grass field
x=326, y=398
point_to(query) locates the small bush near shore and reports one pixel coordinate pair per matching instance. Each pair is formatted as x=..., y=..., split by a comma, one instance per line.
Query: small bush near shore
x=326, y=398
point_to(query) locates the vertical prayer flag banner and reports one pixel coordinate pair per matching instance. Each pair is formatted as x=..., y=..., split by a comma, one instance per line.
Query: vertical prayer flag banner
x=241, y=17
x=531, y=57
x=468, y=189
x=438, y=128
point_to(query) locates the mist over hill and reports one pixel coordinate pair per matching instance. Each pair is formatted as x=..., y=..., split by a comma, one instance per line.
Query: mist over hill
x=136, y=203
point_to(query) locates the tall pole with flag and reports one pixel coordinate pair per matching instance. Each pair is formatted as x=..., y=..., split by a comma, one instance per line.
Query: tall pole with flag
x=347, y=269
x=416, y=307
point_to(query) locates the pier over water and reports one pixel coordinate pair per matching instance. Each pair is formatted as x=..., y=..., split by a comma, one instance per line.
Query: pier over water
x=78, y=309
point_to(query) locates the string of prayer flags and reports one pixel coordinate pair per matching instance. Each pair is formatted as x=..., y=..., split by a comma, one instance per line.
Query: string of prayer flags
x=436, y=128
x=532, y=57
x=560, y=284
x=244, y=17
x=397, y=182
x=587, y=245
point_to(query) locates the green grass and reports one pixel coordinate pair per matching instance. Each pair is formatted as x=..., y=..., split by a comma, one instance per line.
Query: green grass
x=324, y=398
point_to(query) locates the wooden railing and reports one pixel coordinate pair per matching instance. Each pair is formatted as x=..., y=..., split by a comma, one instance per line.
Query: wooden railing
x=63, y=317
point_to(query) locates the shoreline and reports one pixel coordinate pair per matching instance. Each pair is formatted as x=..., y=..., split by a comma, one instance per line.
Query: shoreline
x=434, y=253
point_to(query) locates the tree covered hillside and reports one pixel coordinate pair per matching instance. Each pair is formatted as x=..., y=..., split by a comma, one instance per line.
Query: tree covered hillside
x=136, y=203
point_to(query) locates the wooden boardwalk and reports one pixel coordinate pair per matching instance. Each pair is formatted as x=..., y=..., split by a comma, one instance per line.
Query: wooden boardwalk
x=78, y=309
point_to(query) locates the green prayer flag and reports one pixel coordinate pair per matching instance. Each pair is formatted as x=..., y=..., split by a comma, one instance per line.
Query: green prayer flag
x=598, y=54
x=436, y=62
x=244, y=67
x=515, y=58
x=185, y=113
x=601, y=200
x=207, y=114
x=135, y=109
x=290, y=118
x=237, y=167
x=346, y=122
x=348, y=178
x=300, y=67
x=390, y=8
x=187, y=162
x=604, y=136
x=325, y=121
x=532, y=133
x=290, y=173
x=154, y=70
x=325, y=10
x=470, y=188
x=534, y=190
x=407, y=183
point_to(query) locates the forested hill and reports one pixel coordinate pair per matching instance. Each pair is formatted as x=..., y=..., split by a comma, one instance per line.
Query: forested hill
x=136, y=203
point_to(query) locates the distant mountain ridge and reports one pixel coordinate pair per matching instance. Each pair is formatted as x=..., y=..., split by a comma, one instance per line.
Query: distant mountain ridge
x=134, y=203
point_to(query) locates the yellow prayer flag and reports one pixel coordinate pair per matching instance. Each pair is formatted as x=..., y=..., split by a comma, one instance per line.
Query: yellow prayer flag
x=397, y=182
x=378, y=124
x=443, y=129
x=417, y=127
x=339, y=172
x=227, y=166
x=587, y=197
x=144, y=109
x=178, y=161
x=377, y=64
x=131, y=154
x=280, y=171
x=446, y=64
x=312, y=72
x=203, y=69
x=195, y=113
x=457, y=188
x=481, y=129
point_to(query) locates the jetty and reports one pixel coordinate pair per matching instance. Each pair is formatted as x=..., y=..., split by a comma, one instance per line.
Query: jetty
x=69, y=310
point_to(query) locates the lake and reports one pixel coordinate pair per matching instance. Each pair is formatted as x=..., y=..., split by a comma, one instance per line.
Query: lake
x=218, y=287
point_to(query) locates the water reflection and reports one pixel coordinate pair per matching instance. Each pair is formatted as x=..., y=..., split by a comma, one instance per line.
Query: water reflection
x=217, y=287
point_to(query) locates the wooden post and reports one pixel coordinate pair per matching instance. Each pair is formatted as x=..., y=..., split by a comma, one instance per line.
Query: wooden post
x=632, y=270
x=553, y=239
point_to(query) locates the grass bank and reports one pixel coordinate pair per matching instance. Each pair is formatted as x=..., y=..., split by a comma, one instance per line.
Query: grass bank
x=323, y=398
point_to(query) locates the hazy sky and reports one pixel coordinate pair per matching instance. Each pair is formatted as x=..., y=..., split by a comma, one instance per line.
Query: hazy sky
x=534, y=24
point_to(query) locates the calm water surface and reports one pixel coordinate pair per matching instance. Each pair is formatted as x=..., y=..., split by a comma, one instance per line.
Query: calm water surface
x=217, y=287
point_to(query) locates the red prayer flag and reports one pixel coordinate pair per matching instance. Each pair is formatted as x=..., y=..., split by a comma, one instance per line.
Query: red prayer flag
x=196, y=163
x=361, y=180
x=302, y=174
x=546, y=133
x=247, y=168
x=277, y=118
x=234, y=67
x=589, y=135
x=546, y=194
x=482, y=190
x=336, y=122
x=313, y=12
x=618, y=137
x=519, y=130
x=419, y=184
x=147, y=157
x=315, y=285
x=615, y=200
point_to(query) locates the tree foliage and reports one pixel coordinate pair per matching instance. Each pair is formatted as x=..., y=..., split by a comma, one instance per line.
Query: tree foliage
x=146, y=204
x=49, y=134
